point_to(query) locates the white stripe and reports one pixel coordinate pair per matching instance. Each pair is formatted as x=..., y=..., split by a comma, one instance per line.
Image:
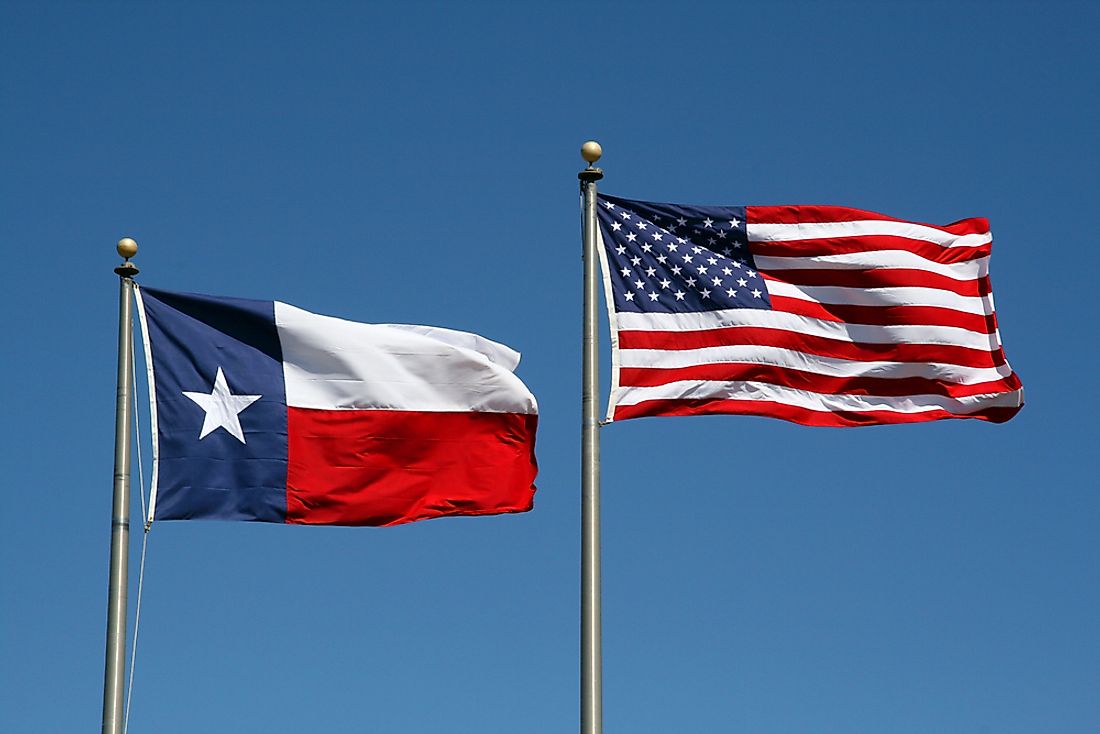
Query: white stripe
x=333, y=364
x=815, y=364
x=762, y=232
x=877, y=260
x=899, y=296
x=152, y=385
x=495, y=352
x=855, y=333
x=741, y=390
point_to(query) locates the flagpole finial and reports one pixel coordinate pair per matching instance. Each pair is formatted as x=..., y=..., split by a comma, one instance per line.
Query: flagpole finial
x=127, y=248
x=591, y=152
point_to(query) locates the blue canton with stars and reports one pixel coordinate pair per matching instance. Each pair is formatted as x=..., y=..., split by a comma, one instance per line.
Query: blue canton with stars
x=671, y=258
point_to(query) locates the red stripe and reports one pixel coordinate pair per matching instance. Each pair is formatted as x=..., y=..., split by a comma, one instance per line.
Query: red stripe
x=881, y=278
x=804, y=214
x=386, y=467
x=799, y=415
x=811, y=381
x=868, y=243
x=887, y=315
x=819, y=345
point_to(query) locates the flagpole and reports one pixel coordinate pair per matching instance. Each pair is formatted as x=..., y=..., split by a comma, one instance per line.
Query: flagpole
x=114, y=667
x=591, y=642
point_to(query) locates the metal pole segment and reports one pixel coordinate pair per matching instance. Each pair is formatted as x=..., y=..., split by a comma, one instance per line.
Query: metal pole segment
x=114, y=667
x=591, y=642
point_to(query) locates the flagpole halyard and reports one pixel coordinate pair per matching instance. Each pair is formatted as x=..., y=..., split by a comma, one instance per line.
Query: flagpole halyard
x=591, y=641
x=114, y=667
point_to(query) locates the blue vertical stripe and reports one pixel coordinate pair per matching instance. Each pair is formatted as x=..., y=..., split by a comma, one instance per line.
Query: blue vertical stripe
x=216, y=476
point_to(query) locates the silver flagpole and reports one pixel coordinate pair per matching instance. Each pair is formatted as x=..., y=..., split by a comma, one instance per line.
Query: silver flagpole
x=114, y=667
x=591, y=644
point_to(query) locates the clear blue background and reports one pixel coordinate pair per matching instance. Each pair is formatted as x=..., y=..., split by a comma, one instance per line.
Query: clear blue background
x=416, y=162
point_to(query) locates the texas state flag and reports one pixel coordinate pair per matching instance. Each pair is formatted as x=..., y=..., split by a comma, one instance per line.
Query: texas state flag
x=265, y=412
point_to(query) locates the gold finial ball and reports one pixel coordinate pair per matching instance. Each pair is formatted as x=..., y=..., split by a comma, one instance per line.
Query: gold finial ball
x=127, y=247
x=591, y=151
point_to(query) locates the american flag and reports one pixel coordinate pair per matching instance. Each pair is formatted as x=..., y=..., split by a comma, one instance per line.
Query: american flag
x=820, y=315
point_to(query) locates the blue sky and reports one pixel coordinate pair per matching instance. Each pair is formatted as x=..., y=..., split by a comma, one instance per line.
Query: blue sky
x=417, y=162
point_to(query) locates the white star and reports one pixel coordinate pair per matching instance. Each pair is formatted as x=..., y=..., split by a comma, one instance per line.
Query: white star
x=666, y=283
x=672, y=247
x=716, y=280
x=640, y=225
x=625, y=215
x=646, y=247
x=681, y=221
x=697, y=249
x=652, y=296
x=222, y=408
x=620, y=249
x=635, y=261
x=705, y=293
x=662, y=259
x=756, y=293
x=609, y=205
x=687, y=258
x=690, y=282
x=650, y=272
x=675, y=269
x=631, y=236
x=625, y=272
x=742, y=282
x=712, y=260
x=628, y=296
x=731, y=292
x=639, y=284
x=680, y=295
x=727, y=271
x=750, y=273
x=616, y=226
x=657, y=236
x=702, y=270
x=708, y=222
x=733, y=223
